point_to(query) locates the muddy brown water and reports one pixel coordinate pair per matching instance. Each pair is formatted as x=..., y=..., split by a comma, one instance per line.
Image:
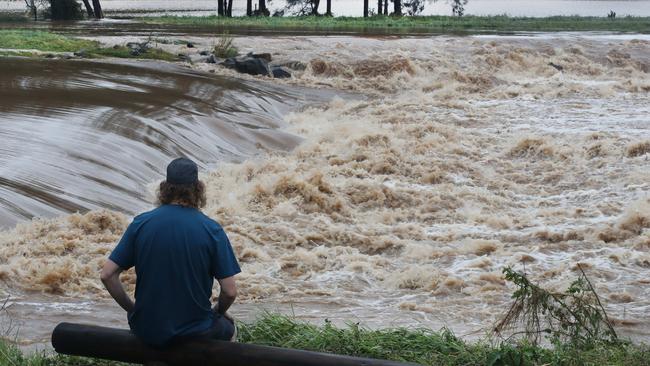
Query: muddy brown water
x=80, y=135
x=472, y=154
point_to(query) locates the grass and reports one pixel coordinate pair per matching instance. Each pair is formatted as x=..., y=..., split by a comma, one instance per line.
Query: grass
x=6, y=17
x=419, y=24
x=52, y=42
x=422, y=346
x=225, y=48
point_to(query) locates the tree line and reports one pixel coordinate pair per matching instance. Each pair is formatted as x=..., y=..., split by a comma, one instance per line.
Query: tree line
x=311, y=7
x=70, y=9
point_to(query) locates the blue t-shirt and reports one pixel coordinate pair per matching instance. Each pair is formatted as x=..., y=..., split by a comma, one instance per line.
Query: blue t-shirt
x=177, y=252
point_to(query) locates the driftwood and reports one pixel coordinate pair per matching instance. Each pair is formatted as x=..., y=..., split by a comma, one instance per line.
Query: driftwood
x=122, y=345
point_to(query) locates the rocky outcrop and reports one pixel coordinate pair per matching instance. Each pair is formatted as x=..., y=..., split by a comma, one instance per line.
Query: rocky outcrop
x=137, y=48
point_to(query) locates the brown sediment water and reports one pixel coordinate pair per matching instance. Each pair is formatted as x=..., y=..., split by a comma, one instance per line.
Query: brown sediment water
x=468, y=154
x=82, y=135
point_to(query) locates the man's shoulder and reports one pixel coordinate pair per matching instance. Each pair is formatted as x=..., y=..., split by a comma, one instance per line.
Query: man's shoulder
x=210, y=222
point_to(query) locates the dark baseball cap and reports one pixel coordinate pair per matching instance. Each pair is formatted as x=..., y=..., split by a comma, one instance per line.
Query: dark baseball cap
x=182, y=171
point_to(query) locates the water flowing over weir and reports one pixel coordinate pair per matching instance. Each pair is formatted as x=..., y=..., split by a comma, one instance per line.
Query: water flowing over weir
x=469, y=154
x=78, y=136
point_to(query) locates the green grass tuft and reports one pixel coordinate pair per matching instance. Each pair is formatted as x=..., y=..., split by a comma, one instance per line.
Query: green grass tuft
x=416, y=24
x=52, y=42
x=42, y=41
x=422, y=346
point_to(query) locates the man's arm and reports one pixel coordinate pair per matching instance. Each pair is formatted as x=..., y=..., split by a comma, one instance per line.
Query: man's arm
x=227, y=295
x=111, y=279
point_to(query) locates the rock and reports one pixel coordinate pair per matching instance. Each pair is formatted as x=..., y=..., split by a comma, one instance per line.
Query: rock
x=556, y=66
x=248, y=65
x=190, y=45
x=204, y=53
x=197, y=58
x=229, y=62
x=252, y=66
x=81, y=53
x=294, y=65
x=212, y=59
x=138, y=48
x=280, y=72
x=266, y=56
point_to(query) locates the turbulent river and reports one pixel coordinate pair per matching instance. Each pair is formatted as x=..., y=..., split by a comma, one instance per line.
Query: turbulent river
x=400, y=207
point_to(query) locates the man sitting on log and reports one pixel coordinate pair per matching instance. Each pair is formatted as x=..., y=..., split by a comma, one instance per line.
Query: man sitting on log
x=177, y=251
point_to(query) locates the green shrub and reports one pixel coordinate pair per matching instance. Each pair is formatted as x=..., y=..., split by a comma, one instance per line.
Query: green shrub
x=224, y=47
x=65, y=10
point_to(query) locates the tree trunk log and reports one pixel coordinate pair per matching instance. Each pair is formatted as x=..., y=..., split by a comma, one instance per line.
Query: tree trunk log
x=122, y=345
x=220, y=11
x=249, y=8
x=263, y=10
x=89, y=9
x=365, y=8
x=99, y=14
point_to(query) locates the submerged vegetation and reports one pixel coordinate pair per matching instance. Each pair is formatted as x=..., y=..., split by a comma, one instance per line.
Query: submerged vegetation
x=574, y=322
x=34, y=43
x=414, y=24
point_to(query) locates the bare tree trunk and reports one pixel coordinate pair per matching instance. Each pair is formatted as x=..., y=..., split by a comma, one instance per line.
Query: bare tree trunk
x=385, y=7
x=229, y=10
x=379, y=7
x=99, y=14
x=398, y=7
x=329, y=8
x=220, y=11
x=89, y=9
x=365, y=8
x=249, y=8
x=314, y=9
x=263, y=10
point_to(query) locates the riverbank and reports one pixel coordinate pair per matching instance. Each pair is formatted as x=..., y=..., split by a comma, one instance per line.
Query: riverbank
x=29, y=43
x=416, y=24
x=421, y=346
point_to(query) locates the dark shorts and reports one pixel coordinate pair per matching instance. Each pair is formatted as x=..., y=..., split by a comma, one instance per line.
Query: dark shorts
x=222, y=329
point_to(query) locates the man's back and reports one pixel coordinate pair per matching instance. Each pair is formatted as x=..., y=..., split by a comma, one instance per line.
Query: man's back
x=177, y=251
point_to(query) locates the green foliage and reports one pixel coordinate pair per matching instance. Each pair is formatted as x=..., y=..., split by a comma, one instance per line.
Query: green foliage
x=412, y=24
x=65, y=10
x=13, y=17
x=224, y=47
x=421, y=346
x=42, y=41
x=575, y=317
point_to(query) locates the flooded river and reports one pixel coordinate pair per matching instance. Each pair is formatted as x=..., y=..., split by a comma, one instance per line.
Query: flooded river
x=465, y=155
x=79, y=136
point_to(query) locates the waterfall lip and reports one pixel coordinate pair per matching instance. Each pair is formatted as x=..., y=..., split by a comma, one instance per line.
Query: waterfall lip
x=88, y=134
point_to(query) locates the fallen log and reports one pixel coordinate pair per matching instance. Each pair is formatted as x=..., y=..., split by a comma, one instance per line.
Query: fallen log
x=122, y=345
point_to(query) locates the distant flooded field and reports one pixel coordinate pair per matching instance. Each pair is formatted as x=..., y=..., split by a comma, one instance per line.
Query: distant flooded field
x=533, y=8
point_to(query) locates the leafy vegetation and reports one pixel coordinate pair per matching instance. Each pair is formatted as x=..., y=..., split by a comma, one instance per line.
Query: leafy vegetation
x=574, y=322
x=7, y=17
x=414, y=24
x=422, y=346
x=52, y=42
x=225, y=47
x=575, y=317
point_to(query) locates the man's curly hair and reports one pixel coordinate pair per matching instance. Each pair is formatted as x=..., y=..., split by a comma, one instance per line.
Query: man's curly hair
x=189, y=195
